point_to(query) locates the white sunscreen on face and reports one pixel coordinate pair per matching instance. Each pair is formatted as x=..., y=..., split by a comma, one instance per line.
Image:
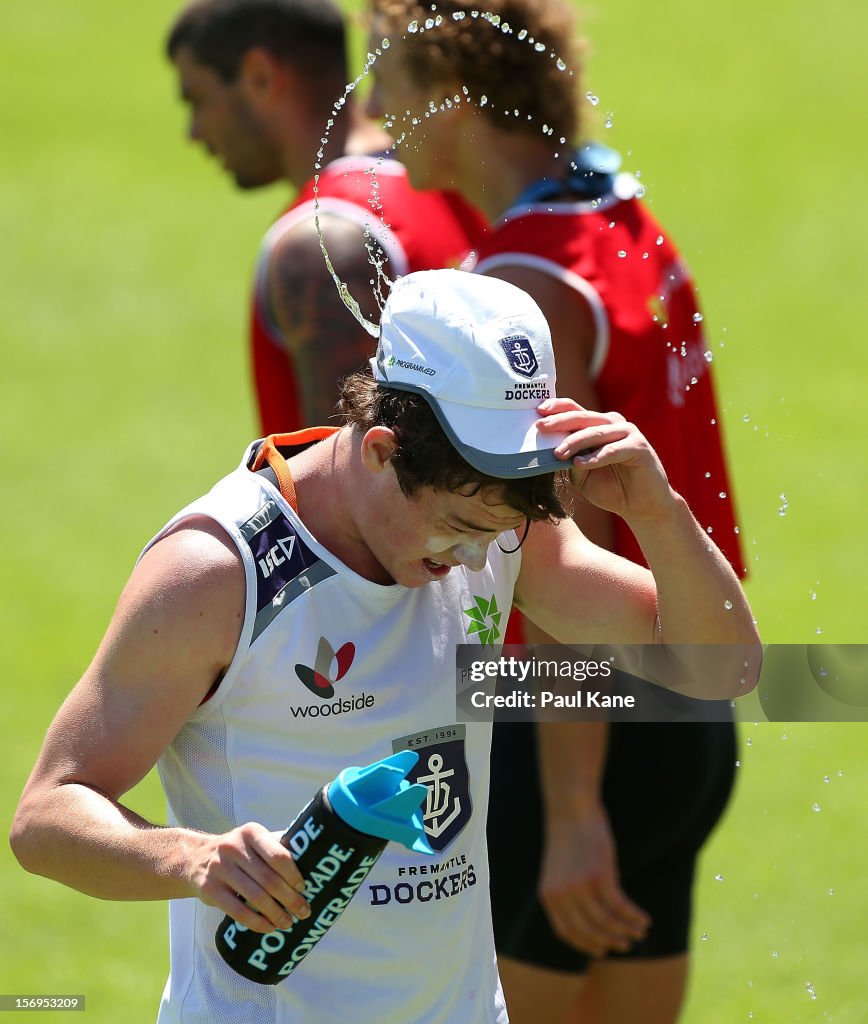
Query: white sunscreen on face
x=439, y=544
x=471, y=553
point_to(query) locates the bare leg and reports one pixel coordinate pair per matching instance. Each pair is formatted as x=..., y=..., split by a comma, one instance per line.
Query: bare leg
x=627, y=991
x=537, y=995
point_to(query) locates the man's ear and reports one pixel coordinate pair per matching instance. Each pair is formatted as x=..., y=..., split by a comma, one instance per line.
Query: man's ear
x=259, y=74
x=378, y=446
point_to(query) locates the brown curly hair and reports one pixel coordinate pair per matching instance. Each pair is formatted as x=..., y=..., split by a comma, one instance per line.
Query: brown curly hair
x=426, y=458
x=522, y=55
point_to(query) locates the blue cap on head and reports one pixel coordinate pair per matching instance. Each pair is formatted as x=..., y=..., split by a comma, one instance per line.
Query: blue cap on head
x=379, y=801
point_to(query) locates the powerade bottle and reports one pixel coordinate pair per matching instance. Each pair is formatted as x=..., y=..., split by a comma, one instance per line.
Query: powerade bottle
x=335, y=842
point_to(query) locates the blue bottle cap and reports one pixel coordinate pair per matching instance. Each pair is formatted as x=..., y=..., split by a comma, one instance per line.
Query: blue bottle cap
x=379, y=801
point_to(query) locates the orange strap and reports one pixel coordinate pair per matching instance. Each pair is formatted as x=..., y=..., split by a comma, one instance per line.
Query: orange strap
x=268, y=452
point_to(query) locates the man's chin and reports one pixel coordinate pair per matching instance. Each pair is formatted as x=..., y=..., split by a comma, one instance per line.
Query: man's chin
x=249, y=182
x=245, y=184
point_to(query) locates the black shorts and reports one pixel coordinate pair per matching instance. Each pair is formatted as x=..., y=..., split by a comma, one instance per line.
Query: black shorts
x=664, y=788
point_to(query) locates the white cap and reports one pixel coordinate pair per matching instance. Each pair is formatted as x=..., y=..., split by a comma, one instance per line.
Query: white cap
x=479, y=351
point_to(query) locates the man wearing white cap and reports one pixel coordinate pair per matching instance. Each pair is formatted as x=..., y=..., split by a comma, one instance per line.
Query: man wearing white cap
x=304, y=616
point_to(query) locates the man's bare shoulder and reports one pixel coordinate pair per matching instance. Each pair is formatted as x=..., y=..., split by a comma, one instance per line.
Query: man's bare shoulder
x=191, y=583
x=343, y=238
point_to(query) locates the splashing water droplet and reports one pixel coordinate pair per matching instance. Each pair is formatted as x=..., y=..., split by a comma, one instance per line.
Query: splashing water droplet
x=698, y=318
x=722, y=494
x=745, y=418
x=560, y=65
x=775, y=954
x=782, y=511
x=660, y=240
x=610, y=119
x=810, y=990
x=592, y=99
x=718, y=878
x=708, y=356
x=539, y=47
x=622, y=254
x=826, y=778
x=728, y=605
x=704, y=936
x=816, y=808
x=413, y=27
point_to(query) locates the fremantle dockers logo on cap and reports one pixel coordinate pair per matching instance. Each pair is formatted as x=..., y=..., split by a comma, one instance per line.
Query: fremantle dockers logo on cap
x=520, y=354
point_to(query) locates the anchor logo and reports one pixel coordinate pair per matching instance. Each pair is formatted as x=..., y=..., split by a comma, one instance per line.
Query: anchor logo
x=442, y=768
x=438, y=816
x=520, y=354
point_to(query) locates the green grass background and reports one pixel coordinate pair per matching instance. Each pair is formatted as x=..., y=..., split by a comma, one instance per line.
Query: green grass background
x=124, y=266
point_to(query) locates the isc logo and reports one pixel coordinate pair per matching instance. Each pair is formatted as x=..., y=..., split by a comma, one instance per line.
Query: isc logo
x=273, y=557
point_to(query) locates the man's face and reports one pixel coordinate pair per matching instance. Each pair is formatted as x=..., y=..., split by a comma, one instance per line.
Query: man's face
x=431, y=139
x=222, y=120
x=420, y=538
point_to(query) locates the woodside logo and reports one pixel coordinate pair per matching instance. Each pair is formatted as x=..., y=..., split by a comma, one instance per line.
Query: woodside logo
x=319, y=679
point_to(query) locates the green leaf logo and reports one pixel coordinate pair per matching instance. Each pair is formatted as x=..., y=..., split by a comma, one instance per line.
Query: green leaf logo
x=484, y=619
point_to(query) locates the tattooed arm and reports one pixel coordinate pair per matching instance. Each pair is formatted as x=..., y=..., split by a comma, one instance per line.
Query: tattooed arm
x=321, y=335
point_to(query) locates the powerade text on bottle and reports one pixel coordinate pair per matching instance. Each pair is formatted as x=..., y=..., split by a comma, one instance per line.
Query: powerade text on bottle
x=335, y=841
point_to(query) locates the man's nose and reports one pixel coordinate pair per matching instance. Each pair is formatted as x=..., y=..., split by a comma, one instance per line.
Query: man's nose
x=472, y=554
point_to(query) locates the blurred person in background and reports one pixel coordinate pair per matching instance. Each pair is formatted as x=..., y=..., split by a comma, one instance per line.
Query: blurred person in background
x=592, y=924
x=262, y=79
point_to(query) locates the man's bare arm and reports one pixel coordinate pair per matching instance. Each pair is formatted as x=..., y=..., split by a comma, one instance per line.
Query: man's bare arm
x=172, y=636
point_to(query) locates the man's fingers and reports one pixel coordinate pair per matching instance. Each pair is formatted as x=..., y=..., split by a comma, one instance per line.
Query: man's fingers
x=240, y=911
x=251, y=876
x=564, y=416
x=606, y=926
x=571, y=927
x=266, y=892
x=597, y=922
x=630, y=915
x=577, y=927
